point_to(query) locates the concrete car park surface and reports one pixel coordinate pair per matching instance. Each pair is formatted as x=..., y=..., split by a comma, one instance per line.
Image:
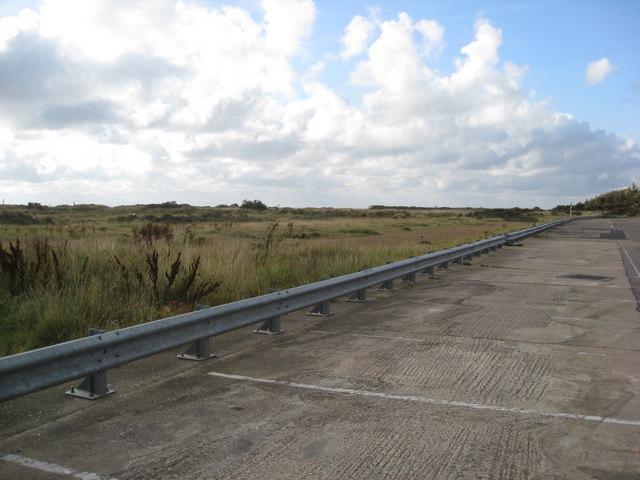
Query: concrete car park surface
x=524, y=364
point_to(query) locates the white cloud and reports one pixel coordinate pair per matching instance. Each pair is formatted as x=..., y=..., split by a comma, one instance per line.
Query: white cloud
x=212, y=105
x=27, y=20
x=356, y=37
x=481, y=56
x=394, y=61
x=433, y=34
x=288, y=22
x=598, y=70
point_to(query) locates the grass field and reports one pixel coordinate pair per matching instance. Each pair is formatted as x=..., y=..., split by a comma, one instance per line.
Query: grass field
x=69, y=268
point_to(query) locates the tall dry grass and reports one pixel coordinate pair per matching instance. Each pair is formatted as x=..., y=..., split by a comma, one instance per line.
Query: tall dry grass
x=58, y=280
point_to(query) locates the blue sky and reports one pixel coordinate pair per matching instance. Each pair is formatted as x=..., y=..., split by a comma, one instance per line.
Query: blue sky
x=325, y=103
x=555, y=39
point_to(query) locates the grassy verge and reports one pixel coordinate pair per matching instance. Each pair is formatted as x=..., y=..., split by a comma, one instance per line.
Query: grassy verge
x=73, y=268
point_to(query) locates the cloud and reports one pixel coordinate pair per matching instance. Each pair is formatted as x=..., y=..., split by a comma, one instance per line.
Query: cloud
x=393, y=59
x=211, y=105
x=433, y=34
x=28, y=63
x=356, y=37
x=63, y=116
x=283, y=36
x=598, y=70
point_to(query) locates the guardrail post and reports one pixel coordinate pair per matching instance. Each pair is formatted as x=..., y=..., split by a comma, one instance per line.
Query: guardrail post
x=444, y=265
x=271, y=325
x=427, y=271
x=322, y=309
x=387, y=284
x=93, y=386
x=200, y=349
x=457, y=261
x=359, y=295
x=409, y=277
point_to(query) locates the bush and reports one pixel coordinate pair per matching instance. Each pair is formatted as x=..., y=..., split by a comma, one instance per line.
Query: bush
x=153, y=231
x=253, y=205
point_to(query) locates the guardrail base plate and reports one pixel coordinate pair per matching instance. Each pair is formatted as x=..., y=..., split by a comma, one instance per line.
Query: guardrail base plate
x=268, y=332
x=197, y=358
x=87, y=395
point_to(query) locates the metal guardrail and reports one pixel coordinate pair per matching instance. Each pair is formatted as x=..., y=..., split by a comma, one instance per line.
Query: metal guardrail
x=91, y=356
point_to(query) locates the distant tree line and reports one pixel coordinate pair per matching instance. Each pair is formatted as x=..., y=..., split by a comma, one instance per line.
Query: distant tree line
x=515, y=214
x=625, y=201
x=405, y=207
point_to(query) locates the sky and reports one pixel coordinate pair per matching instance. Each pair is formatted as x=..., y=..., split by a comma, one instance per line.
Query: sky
x=318, y=104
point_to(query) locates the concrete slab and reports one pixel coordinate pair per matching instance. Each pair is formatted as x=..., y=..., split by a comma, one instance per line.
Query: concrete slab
x=523, y=365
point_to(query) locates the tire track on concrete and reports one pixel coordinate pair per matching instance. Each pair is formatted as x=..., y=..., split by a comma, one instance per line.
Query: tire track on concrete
x=489, y=373
x=534, y=294
x=496, y=321
x=438, y=339
x=263, y=454
x=501, y=452
x=516, y=455
x=489, y=370
x=497, y=375
x=444, y=464
x=395, y=454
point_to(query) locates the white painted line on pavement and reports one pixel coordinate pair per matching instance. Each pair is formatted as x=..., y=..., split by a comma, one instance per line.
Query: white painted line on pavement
x=433, y=401
x=629, y=258
x=51, y=467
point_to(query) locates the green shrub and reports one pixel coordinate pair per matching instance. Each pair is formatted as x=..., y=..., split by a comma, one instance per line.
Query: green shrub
x=253, y=205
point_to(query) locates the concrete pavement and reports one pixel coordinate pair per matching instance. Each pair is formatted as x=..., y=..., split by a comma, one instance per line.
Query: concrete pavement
x=523, y=365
